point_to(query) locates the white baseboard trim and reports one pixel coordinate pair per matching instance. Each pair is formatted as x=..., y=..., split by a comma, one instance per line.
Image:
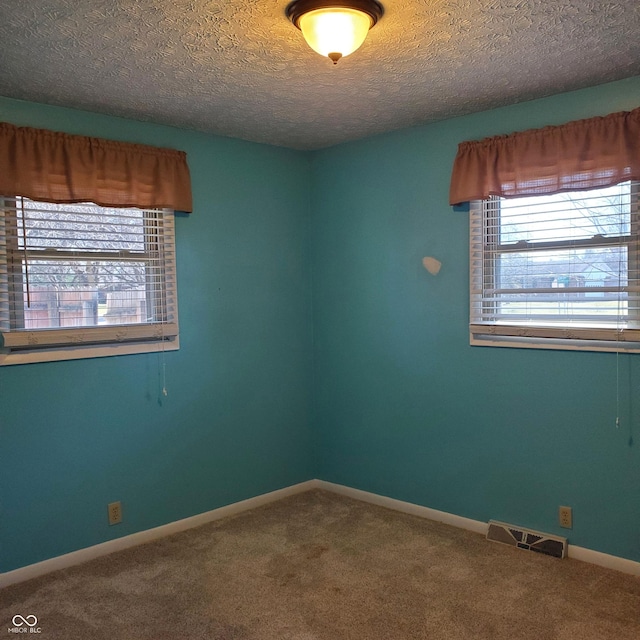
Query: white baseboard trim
x=603, y=559
x=135, y=539
x=76, y=557
x=577, y=553
x=407, y=507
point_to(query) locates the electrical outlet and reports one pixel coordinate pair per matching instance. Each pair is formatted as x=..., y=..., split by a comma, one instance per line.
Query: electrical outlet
x=565, y=517
x=115, y=512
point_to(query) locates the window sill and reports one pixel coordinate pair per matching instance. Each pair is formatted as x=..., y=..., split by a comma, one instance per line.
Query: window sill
x=87, y=351
x=519, y=342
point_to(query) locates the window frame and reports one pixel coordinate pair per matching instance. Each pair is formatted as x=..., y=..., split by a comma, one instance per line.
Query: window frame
x=553, y=336
x=22, y=345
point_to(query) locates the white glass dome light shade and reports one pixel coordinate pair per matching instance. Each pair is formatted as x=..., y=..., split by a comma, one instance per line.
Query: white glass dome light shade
x=335, y=30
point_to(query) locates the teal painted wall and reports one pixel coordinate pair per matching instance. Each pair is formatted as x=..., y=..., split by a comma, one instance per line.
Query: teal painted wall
x=404, y=407
x=376, y=388
x=77, y=435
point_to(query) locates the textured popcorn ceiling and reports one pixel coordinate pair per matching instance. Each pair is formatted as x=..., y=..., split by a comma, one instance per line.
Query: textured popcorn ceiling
x=239, y=68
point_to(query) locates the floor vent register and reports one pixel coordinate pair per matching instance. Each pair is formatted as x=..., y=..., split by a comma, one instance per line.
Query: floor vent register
x=550, y=545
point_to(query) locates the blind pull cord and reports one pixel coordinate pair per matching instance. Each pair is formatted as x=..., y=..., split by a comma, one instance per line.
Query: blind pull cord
x=165, y=393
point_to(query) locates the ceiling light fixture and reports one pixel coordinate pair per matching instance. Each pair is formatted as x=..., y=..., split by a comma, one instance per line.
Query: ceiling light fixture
x=334, y=28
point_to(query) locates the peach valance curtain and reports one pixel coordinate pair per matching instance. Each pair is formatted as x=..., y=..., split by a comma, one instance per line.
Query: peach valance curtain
x=58, y=167
x=583, y=154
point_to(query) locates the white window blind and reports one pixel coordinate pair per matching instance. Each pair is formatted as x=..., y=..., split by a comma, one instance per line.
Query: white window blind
x=81, y=274
x=558, y=267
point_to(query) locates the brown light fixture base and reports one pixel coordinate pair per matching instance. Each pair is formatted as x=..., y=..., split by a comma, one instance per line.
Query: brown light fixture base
x=298, y=8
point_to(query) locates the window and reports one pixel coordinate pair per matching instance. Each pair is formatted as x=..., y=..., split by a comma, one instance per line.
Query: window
x=554, y=234
x=558, y=270
x=77, y=280
x=96, y=277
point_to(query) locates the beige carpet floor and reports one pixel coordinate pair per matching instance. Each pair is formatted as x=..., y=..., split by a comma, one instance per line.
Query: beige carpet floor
x=318, y=566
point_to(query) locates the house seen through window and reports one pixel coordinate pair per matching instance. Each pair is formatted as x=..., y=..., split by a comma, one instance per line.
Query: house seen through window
x=80, y=273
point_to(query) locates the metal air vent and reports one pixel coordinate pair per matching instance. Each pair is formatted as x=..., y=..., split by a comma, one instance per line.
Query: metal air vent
x=550, y=545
